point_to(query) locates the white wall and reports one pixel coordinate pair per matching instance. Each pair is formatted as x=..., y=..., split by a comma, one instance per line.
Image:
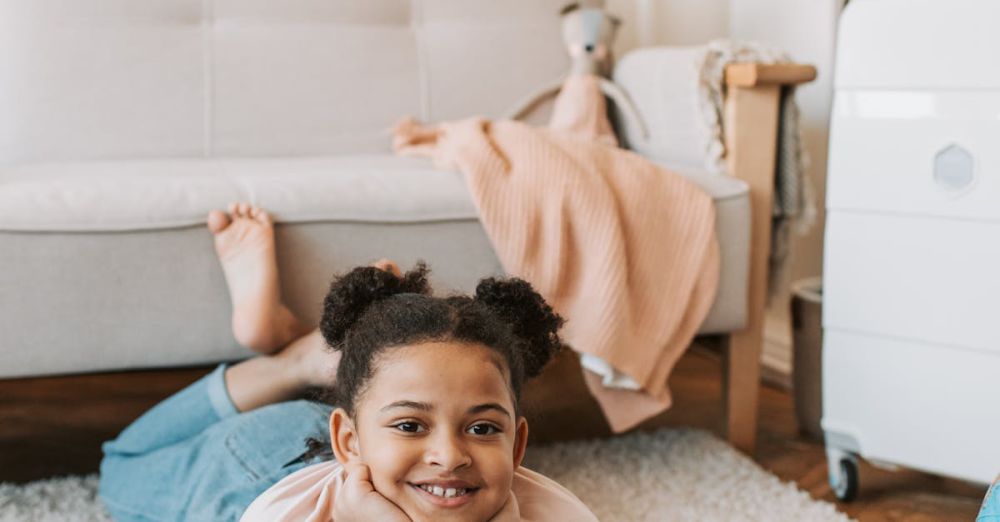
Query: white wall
x=669, y=22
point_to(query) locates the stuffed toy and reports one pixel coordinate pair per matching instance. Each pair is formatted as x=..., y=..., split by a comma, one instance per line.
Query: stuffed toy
x=588, y=33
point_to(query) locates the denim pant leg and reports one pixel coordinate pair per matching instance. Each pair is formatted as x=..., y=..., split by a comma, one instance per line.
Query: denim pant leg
x=194, y=457
x=990, y=511
x=179, y=417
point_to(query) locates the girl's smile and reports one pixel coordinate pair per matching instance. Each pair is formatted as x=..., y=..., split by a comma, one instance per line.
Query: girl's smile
x=438, y=428
x=446, y=494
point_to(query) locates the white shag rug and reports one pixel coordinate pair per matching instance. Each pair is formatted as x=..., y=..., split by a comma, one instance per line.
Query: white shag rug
x=668, y=475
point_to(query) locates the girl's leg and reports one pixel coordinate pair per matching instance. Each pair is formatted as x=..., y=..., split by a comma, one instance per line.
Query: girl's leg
x=179, y=417
x=229, y=390
x=244, y=242
x=303, y=364
x=196, y=456
x=216, y=474
x=194, y=444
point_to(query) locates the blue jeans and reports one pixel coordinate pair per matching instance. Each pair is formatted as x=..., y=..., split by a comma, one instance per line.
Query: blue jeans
x=990, y=512
x=194, y=457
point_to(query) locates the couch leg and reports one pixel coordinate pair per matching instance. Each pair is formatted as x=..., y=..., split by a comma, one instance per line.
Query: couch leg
x=751, y=128
x=741, y=389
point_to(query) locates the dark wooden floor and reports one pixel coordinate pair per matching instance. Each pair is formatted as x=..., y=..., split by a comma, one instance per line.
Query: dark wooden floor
x=50, y=428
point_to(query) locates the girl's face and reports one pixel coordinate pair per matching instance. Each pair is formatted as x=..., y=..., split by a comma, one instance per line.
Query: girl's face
x=436, y=426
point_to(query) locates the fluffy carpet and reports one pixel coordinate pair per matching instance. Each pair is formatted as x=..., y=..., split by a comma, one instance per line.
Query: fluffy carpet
x=665, y=475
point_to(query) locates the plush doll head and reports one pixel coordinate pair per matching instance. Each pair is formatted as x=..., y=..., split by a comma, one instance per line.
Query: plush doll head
x=588, y=33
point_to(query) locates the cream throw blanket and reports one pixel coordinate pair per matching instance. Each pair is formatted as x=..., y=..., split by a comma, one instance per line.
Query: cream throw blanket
x=623, y=249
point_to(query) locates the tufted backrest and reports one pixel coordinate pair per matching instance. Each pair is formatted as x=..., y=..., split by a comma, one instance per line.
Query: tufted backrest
x=107, y=79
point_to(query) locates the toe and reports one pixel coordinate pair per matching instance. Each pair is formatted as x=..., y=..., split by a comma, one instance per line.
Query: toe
x=217, y=221
x=260, y=215
x=232, y=208
x=264, y=217
x=243, y=209
x=389, y=266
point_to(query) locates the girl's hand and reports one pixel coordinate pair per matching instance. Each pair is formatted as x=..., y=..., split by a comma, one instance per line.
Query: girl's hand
x=359, y=501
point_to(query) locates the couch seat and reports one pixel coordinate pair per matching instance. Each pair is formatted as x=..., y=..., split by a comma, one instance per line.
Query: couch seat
x=140, y=255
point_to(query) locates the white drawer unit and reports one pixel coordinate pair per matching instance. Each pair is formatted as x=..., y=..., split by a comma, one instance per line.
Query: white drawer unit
x=911, y=282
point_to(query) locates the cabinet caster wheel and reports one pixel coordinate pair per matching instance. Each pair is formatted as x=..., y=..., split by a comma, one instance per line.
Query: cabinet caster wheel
x=845, y=480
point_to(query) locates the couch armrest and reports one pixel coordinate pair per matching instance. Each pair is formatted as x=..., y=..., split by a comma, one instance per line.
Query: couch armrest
x=753, y=93
x=756, y=74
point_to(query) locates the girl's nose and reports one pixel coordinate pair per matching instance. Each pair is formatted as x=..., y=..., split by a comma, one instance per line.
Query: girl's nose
x=447, y=451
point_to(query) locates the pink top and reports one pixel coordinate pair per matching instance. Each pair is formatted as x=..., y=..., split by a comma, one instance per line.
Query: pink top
x=308, y=495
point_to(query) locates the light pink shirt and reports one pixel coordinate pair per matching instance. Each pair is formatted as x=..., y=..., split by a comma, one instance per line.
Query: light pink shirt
x=308, y=494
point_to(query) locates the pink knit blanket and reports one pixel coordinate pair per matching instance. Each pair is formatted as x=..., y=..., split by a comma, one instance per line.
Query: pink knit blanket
x=623, y=249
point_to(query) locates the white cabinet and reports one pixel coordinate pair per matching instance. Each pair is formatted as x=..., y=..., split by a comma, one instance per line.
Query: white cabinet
x=911, y=311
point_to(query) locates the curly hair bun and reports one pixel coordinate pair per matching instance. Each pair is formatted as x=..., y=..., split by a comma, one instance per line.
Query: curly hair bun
x=352, y=293
x=530, y=317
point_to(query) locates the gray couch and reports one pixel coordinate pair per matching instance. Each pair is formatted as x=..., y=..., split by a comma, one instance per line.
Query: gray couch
x=123, y=123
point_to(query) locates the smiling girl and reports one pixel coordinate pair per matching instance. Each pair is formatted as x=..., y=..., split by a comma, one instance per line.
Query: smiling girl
x=426, y=424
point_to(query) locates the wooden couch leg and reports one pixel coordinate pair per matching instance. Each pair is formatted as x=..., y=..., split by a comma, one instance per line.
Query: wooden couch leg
x=753, y=96
x=741, y=388
x=751, y=128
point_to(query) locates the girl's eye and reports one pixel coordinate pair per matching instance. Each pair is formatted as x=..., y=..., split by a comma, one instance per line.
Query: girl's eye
x=484, y=429
x=408, y=427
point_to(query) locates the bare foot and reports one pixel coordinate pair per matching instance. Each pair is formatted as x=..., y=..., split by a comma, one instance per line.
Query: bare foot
x=310, y=361
x=304, y=364
x=244, y=242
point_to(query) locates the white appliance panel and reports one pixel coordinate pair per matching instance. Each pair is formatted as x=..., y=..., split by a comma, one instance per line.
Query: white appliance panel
x=919, y=43
x=885, y=144
x=906, y=277
x=925, y=406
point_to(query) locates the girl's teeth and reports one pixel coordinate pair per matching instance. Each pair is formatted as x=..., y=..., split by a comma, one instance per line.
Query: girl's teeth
x=442, y=492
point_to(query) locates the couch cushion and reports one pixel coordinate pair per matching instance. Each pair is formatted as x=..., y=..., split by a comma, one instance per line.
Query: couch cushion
x=113, y=79
x=160, y=194
x=150, y=195
x=94, y=228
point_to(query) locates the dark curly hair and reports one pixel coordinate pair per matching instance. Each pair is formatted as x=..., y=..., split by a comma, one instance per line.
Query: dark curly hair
x=369, y=310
